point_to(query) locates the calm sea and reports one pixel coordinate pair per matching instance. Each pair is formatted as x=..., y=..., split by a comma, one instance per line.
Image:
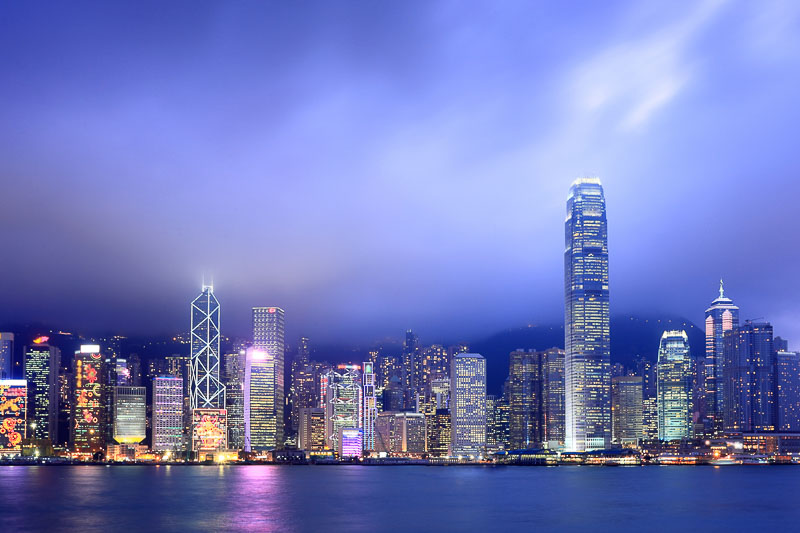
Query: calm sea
x=408, y=498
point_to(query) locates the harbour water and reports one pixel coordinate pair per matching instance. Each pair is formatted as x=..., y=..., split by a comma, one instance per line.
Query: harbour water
x=387, y=499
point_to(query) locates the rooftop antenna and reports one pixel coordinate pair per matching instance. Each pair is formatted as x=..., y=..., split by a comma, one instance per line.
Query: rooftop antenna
x=721, y=289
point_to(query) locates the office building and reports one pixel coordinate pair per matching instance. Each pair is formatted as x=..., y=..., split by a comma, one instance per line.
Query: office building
x=525, y=389
x=267, y=379
x=626, y=405
x=788, y=379
x=167, y=418
x=311, y=429
x=370, y=410
x=88, y=419
x=587, y=362
x=234, y=369
x=130, y=414
x=400, y=434
x=13, y=415
x=721, y=317
x=342, y=401
x=468, y=404
x=206, y=391
x=553, y=397
x=351, y=443
x=412, y=367
x=6, y=355
x=674, y=387
x=42, y=365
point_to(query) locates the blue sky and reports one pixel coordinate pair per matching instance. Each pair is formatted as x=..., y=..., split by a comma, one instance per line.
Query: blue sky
x=376, y=166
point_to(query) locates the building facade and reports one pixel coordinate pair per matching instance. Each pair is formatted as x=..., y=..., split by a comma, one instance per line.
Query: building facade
x=267, y=379
x=167, y=415
x=468, y=404
x=587, y=362
x=88, y=420
x=206, y=390
x=721, y=317
x=130, y=414
x=788, y=379
x=42, y=365
x=342, y=401
x=626, y=405
x=674, y=387
x=311, y=429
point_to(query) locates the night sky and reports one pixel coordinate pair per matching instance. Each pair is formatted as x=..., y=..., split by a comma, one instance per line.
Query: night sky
x=374, y=166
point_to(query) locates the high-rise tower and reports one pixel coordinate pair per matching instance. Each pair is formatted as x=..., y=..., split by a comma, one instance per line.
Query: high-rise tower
x=205, y=388
x=266, y=384
x=587, y=363
x=674, y=387
x=722, y=316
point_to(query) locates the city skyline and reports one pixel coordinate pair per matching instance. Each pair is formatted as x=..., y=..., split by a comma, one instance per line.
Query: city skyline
x=348, y=190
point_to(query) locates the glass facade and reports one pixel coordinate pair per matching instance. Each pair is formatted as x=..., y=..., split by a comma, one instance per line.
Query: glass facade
x=788, y=377
x=749, y=380
x=342, y=401
x=587, y=364
x=167, y=423
x=674, y=387
x=626, y=405
x=266, y=385
x=130, y=414
x=88, y=413
x=721, y=317
x=42, y=364
x=206, y=389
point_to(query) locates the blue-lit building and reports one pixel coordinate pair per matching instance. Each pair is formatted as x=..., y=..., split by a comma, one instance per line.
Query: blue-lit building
x=587, y=363
x=788, y=377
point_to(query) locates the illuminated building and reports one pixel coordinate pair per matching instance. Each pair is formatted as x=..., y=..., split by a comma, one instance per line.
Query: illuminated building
x=440, y=392
x=788, y=378
x=674, y=387
x=6, y=355
x=389, y=367
x=400, y=433
x=259, y=388
x=587, y=363
x=468, y=404
x=553, y=397
x=87, y=425
x=209, y=431
x=749, y=382
x=205, y=388
x=394, y=396
x=235, y=365
x=412, y=366
x=648, y=372
x=626, y=405
x=351, y=442
x=130, y=414
x=13, y=413
x=42, y=364
x=370, y=410
x=721, y=317
x=342, y=401
x=299, y=364
x=494, y=437
x=439, y=433
x=167, y=423
x=525, y=394
x=267, y=387
x=434, y=363
x=311, y=429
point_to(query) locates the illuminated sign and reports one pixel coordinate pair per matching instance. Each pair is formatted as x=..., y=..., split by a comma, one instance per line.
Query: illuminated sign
x=41, y=339
x=88, y=404
x=352, y=442
x=271, y=310
x=90, y=348
x=209, y=430
x=13, y=407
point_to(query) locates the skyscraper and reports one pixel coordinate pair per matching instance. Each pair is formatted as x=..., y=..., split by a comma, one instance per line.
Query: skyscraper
x=293, y=396
x=370, y=405
x=468, y=404
x=235, y=364
x=412, y=367
x=42, y=364
x=674, y=387
x=343, y=402
x=553, y=397
x=722, y=316
x=788, y=377
x=167, y=422
x=626, y=401
x=311, y=429
x=130, y=414
x=749, y=381
x=87, y=426
x=6, y=355
x=205, y=388
x=13, y=413
x=524, y=389
x=268, y=339
x=587, y=363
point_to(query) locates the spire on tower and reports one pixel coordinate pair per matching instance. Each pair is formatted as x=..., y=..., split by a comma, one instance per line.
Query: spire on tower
x=721, y=289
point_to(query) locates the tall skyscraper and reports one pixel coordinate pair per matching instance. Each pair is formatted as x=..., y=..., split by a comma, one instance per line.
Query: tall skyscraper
x=235, y=365
x=525, y=389
x=626, y=401
x=293, y=396
x=311, y=429
x=674, y=387
x=587, y=363
x=370, y=410
x=721, y=317
x=268, y=339
x=42, y=364
x=87, y=427
x=749, y=380
x=412, y=367
x=648, y=372
x=553, y=397
x=167, y=422
x=343, y=402
x=788, y=377
x=468, y=404
x=13, y=413
x=130, y=414
x=400, y=433
x=206, y=391
x=6, y=355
